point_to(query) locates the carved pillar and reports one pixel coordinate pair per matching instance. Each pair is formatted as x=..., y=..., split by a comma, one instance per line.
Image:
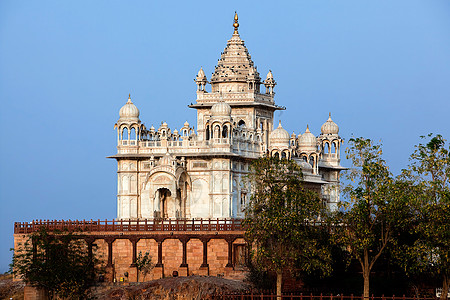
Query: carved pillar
x=205, y=253
x=133, y=274
x=109, y=276
x=184, y=268
x=230, y=252
x=89, y=241
x=158, y=271
x=159, y=263
x=110, y=242
x=134, y=242
x=204, y=268
x=184, y=242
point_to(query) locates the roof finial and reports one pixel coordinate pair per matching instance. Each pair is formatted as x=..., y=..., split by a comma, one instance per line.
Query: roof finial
x=236, y=23
x=129, y=97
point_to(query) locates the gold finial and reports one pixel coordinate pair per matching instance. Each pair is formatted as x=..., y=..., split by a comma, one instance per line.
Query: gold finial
x=236, y=23
x=129, y=96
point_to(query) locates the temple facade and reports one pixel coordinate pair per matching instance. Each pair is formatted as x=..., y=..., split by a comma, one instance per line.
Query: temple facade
x=188, y=173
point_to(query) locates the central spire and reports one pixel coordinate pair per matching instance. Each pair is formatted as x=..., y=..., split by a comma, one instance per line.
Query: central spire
x=236, y=23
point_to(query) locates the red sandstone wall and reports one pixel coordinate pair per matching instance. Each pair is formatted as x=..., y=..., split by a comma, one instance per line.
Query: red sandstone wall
x=172, y=252
x=194, y=256
x=217, y=256
x=172, y=256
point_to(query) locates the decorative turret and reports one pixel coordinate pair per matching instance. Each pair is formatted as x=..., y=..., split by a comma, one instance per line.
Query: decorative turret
x=128, y=126
x=279, y=137
x=307, y=142
x=270, y=83
x=330, y=142
x=129, y=113
x=201, y=80
x=329, y=127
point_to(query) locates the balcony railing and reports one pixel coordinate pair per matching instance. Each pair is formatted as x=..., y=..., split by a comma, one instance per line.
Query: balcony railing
x=130, y=225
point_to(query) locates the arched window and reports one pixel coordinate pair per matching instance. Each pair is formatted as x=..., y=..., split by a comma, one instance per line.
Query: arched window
x=125, y=133
x=217, y=131
x=276, y=155
x=283, y=155
x=311, y=161
x=334, y=147
x=133, y=134
x=326, y=148
x=207, y=132
x=225, y=131
x=305, y=158
x=241, y=123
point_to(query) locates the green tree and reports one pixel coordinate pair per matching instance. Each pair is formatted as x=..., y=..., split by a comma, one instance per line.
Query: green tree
x=428, y=249
x=58, y=263
x=281, y=220
x=372, y=209
x=144, y=264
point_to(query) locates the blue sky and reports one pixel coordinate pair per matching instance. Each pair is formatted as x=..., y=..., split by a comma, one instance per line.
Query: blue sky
x=66, y=67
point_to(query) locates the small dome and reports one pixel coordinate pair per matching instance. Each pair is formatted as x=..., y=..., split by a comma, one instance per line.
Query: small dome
x=163, y=126
x=129, y=112
x=269, y=75
x=186, y=124
x=279, y=136
x=152, y=129
x=307, y=140
x=221, y=108
x=201, y=75
x=329, y=127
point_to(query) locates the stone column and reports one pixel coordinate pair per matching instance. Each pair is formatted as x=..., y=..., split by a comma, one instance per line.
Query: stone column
x=184, y=268
x=204, y=268
x=230, y=253
x=109, y=276
x=158, y=270
x=89, y=241
x=133, y=274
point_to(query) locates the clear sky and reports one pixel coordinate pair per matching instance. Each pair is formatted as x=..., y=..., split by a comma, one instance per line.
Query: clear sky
x=382, y=68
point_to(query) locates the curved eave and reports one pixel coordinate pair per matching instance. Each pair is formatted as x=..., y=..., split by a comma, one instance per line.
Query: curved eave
x=326, y=166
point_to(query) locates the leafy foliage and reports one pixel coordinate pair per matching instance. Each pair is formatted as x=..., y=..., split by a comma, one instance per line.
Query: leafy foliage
x=281, y=219
x=374, y=206
x=58, y=262
x=427, y=249
x=144, y=264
